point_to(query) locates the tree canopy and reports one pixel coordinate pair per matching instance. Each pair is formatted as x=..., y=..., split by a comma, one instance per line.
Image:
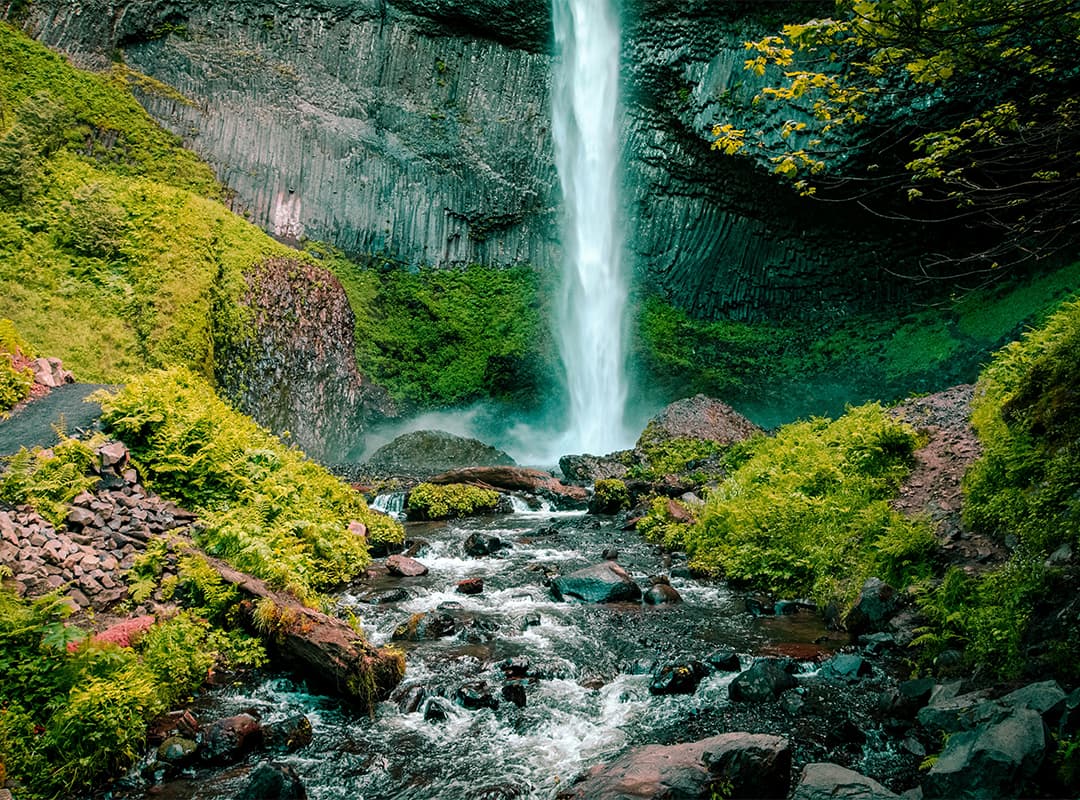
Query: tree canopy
x=943, y=110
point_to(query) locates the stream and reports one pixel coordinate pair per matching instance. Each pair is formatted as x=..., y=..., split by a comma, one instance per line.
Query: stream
x=587, y=671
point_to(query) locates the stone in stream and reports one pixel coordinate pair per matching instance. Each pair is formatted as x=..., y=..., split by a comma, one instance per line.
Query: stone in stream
x=389, y=596
x=270, y=781
x=846, y=667
x=514, y=692
x=833, y=782
x=751, y=765
x=412, y=699
x=227, y=740
x=680, y=678
x=724, y=660
x=662, y=593
x=876, y=605
x=176, y=751
x=426, y=625
x=766, y=679
x=606, y=582
x=475, y=696
x=405, y=567
x=470, y=586
x=288, y=735
x=477, y=545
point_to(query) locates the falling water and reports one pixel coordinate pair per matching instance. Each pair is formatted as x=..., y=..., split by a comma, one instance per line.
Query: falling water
x=585, y=117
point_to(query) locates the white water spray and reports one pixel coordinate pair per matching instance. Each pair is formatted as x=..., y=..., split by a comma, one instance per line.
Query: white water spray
x=591, y=312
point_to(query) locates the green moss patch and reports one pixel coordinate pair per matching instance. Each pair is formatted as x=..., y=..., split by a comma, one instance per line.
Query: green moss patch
x=431, y=501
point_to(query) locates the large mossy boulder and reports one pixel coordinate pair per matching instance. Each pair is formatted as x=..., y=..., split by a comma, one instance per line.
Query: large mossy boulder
x=606, y=582
x=430, y=501
x=424, y=453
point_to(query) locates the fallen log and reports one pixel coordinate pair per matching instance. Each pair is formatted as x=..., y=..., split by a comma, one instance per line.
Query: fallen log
x=515, y=479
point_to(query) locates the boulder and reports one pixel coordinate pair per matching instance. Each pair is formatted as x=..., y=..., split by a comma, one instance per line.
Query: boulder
x=514, y=691
x=1040, y=697
x=748, y=765
x=475, y=696
x=833, y=782
x=724, y=660
x=698, y=417
x=470, y=586
x=227, y=740
x=428, y=625
x=767, y=678
x=423, y=453
x=177, y=751
x=876, y=605
x=662, y=594
x=678, y=678
x=846, y=667
x=405, y=567
x=517, y=479
x=993, y=760
x=606, y=582
x=478, y=545
x=945, y=714
x=590, y=469
x=272, y=782
x=288, y=735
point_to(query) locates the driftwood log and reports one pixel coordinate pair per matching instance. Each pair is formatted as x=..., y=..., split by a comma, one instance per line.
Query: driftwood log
x=515, y=479
x=323, y=650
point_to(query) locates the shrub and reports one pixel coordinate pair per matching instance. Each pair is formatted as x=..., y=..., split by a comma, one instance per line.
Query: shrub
x=267, y=509
x=15, y=380
x=807, y=513
x=610, y=496
x=428, y=501
x=48, y=480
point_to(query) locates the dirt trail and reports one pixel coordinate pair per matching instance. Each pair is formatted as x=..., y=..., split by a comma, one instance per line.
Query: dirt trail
x=34, y=423
x=934, y=485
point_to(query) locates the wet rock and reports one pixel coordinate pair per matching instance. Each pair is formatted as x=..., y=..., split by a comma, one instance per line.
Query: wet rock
x=515, y=668
x=428, y=625
x=405, y=567
x=945, y=714
x=288, y=735
x=994, y=760
x=833, y=782
x=435, y=711
x=662, y=593
x=475, y=696
x=479, y=631
x=415, y=547
x=177, y=751
x=606, y=582
x=753, y=765
x=273, y=782
x=478, y=545
x=610, y=554
x=518, y=479
x=766, y=679
x=226, y=741
x=724, y=660
x=1040, y=697
x=587, y=469
x=389, y=596
x=514, y=692
x=531, y=620
x=758, y=609
x=846, y=667
x=789, y=607
x=908, y=698
x=878, y=643
x=412, y=699
x=1064, y=717
x=680, y=678
x=423, y=453
x=470, y=586
x=876, y=605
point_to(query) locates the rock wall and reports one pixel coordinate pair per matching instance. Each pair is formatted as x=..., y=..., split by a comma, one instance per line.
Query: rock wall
x=296, y=370
x=419, y=130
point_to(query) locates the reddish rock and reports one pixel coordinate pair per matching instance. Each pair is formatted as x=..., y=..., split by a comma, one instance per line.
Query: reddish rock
x=226, y=741
x=678, y=512
x=662, y=594
x=698, y=417
x=471, y=586
x=405, y=567
x=514, y=479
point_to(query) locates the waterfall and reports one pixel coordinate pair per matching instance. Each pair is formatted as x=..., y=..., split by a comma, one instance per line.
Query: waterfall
x=590, y=315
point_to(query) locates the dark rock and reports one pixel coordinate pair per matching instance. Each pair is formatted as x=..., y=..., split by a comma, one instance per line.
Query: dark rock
x=846, y=667
x=515, y=668
x=994, y=760
x=226, y=741
x=514, y=691
x=724, y=660
x=875, y=607
x=662, y=594
x=766, y=679
x=428, y=625
x=273, y=782
x=679, y=678
x=415, y=547
x=908, y=698
x=475, y=696
x=946, y=714
x=424, y=453
x=531, y=620
x=753, y=765
x=759, y=609
x=288, y=735
x=479, y=630
x=789, y=607
x=405, y=567
x=1064, y=717
x=478, y=545
x=590, y=469
x=606, y=582
x=412, y=699
x=833, y=782
x=470, y=586
x=177, y=751
x=878, y=643
x=434, y=711
x=1040, y=697
x=610, y=554
x=389, y=596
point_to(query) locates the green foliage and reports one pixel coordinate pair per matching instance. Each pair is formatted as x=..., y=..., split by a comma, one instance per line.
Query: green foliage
x=935, y=131
x=1027, y=414
x=15, y=381
x=675, y=456
x=449, y=337
x=610, y=496
x=658, y=525
x=267, y=509
x=808, y=512
x=71, y=716
x=48, y=480
x=428, y=501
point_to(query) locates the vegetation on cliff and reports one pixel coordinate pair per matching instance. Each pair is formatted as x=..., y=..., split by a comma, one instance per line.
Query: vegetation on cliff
x=962, y=110
x=16, y=377
x=267, y=509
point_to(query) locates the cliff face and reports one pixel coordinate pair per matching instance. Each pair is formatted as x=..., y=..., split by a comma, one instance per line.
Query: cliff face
x=419, y=129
